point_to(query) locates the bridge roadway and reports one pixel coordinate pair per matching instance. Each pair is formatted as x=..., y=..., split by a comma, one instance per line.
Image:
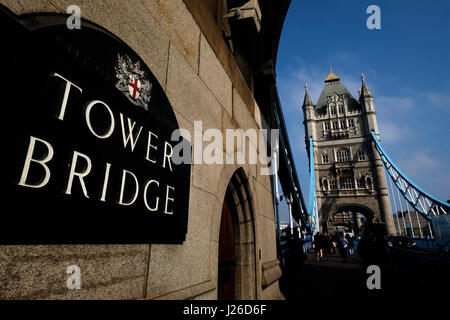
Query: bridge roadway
x=411, y=274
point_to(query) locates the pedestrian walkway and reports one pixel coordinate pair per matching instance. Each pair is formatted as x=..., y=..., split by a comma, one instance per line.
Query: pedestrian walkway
x=332, y=278
x=407, y=272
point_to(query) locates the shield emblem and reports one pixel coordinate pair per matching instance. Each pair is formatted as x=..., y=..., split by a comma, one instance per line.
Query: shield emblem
x=134, y=87
x=133, y=82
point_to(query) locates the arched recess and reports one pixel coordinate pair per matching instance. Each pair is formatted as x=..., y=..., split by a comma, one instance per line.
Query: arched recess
x=237, y=253
x=355, y=208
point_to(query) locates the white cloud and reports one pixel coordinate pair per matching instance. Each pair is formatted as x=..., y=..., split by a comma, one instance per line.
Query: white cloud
x=392, y=132
x=418, y=163
x=439, y=99
x=401, y=104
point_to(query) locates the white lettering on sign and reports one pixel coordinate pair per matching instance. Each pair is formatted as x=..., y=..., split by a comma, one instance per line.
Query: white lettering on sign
x=167, y=156
x=62, y=110
x=122, y=188
x=130, y=137
x=155, y=208
x=105, y=182
x=111, y=119
x=81, y=175
x=150, y=146
x=29, y=159
x=40, y=153
x=168, y=189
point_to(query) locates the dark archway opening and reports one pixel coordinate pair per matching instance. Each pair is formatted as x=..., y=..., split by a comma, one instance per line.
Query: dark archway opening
x=352, y=218
x=226, y=253
x=237, y=253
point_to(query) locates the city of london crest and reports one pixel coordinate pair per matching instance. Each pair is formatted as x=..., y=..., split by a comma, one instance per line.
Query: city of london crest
x=133, y=82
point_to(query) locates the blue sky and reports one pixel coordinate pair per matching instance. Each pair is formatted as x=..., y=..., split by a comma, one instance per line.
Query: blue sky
x=407, y=68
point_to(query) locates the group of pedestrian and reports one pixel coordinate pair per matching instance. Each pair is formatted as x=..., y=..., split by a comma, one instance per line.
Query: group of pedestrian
x=330, y=243
x=324, y=243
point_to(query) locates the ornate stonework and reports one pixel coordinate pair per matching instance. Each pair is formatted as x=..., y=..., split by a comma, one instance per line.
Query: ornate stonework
x=350, y=181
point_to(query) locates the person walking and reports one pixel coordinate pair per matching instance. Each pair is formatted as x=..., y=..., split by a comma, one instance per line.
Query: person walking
x=327, y=242
x=343, y=245
x=351, y=244
x=334, y=241
x=318, y=246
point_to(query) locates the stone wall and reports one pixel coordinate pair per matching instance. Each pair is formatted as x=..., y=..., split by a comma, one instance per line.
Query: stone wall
x=166, y=36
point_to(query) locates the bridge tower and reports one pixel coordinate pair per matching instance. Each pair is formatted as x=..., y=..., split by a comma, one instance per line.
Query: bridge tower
x=351, y=188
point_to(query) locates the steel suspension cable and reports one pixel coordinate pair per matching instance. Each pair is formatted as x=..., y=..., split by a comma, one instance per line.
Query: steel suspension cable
x=395, y=206
x=403, y=214
x=418, y=223
x=410, y=222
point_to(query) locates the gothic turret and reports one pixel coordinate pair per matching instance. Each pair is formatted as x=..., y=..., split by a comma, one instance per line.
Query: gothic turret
x=366, y=101
x=308, y=115
x=307, y=102
x=365, y=92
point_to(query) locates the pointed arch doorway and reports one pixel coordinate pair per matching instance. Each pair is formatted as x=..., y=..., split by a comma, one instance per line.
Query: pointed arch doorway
x=237, y=254
x=226, y=254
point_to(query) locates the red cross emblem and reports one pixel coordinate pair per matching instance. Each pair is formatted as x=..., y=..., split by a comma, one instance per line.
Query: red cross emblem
x=134, y=86
x=133, y=82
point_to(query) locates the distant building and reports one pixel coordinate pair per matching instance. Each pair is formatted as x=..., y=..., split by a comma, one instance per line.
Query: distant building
x=410, y=223
x=349, y=173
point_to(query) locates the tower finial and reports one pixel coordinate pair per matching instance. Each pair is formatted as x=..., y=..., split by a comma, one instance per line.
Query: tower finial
x=365, y=92
x=332, y=77
x=307, y=101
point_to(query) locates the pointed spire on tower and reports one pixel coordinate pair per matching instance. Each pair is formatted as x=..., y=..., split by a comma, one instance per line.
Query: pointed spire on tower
x=307, y=101
x=331, y=77
x=365, y=92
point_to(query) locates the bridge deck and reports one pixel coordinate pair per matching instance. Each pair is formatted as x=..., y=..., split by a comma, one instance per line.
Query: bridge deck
x=334, y=279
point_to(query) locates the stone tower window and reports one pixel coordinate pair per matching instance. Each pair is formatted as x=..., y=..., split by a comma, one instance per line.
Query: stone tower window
x=326, y=125
x=343, y=155
x=341, y=109
x=333, y=109
x=347, y=183
x=325, y=185
x=325, y=158
x=361, y=156
x=333, y=185
x=369, y=182
x=361, y=183
x=351, y=123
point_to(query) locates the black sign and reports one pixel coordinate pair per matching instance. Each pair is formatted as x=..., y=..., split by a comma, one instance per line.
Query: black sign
x=87, y=154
